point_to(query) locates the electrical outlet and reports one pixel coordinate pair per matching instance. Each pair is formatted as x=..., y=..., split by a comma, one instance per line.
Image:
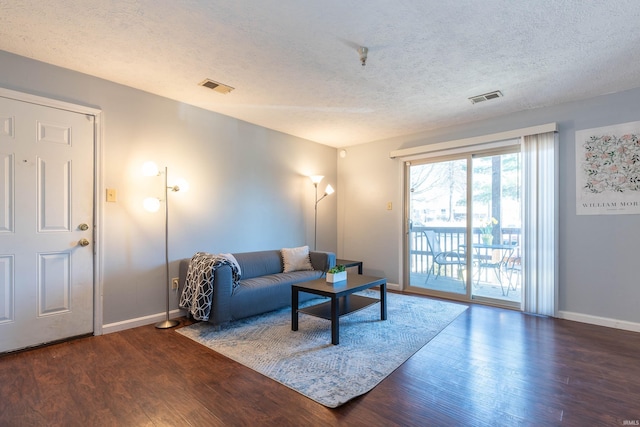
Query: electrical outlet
x=174, y=283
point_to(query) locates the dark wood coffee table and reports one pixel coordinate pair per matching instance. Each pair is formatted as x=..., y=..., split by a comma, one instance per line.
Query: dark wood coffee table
x=341, y=302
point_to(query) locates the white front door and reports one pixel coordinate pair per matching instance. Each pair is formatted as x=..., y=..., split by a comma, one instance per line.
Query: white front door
x=46, y=224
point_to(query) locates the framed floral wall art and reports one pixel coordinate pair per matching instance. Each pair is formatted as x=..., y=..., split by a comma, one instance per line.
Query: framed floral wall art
x=608, y=170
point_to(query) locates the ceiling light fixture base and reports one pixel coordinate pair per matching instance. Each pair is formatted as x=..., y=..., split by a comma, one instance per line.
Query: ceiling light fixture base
x=363, y=51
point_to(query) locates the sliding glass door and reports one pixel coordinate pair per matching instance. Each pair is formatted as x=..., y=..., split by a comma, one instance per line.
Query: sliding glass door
x=497, y=212
x=464, y=222
x=438, y=225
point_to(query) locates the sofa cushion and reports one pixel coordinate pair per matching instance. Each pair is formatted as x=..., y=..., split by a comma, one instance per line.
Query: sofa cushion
x=281, y=279
x=260, y=263
x=266, y=293
x=296, y=259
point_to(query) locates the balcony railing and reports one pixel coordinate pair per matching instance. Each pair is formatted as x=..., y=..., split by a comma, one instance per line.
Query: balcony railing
x=451, y=239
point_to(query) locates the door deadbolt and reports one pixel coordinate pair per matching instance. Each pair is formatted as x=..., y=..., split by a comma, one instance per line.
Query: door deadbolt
x=84, y=227
x=83, y=242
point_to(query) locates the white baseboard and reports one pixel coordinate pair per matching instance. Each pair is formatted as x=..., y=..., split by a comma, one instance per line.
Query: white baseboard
x=394, y=286
x=140, y=321
x=600, y=321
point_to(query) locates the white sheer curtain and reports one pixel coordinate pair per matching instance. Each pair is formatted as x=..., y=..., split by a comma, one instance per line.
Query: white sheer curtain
x=539, y=237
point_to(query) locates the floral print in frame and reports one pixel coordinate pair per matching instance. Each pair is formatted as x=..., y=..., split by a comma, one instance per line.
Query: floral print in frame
x=608, y=170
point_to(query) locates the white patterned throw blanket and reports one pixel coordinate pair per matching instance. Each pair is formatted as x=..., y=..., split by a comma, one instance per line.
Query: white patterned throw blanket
x=198, y=289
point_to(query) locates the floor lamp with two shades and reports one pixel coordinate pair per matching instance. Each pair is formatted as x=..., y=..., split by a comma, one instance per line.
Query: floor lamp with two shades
x=315, y=179
x=152, y=204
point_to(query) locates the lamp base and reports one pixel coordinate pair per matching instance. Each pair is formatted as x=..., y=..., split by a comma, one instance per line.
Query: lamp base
x=167, y=324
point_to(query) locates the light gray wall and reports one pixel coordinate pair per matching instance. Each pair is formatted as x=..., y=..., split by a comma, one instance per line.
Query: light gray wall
x=249, y=191
x=249, y=186
x=597, y=254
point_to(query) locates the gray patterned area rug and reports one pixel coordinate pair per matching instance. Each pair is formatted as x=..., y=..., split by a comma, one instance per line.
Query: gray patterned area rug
x=307, y=362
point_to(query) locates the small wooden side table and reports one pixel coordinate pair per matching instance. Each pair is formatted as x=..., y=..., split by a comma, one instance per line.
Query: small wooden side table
x=349, y=263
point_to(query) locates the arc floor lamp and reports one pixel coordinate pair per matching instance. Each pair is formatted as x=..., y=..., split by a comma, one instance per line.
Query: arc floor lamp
x=329, y=190
x=152, y=204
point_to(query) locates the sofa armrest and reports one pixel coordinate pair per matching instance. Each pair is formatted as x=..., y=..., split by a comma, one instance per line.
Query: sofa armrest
x=321, y=260
x=222, y=291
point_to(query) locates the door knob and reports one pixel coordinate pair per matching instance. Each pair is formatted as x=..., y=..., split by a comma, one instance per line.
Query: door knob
x=83, y=227
x=83, y=242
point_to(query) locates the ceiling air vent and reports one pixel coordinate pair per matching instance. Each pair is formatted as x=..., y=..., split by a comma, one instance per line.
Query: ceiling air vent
x=485, y=97
x=218, y=87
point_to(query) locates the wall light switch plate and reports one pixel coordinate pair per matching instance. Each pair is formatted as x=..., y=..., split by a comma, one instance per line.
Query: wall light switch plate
x=389, y=206
x=111, y=195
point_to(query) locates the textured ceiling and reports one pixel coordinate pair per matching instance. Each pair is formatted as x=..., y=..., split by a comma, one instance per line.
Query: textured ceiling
x=295, y=68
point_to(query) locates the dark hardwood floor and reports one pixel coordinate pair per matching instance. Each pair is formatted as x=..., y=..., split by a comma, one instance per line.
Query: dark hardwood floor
x=490, y=367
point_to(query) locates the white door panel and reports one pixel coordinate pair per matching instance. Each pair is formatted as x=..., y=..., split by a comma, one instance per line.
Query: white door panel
x=46, y=194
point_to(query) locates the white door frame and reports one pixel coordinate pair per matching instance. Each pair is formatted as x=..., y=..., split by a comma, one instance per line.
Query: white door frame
x=98, y=205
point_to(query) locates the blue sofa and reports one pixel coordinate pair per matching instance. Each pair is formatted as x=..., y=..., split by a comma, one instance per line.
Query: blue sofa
x=263, y=286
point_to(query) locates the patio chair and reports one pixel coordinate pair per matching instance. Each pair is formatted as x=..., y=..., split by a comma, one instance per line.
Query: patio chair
x=443, y=258
x=514, y=267
x=501, y=260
